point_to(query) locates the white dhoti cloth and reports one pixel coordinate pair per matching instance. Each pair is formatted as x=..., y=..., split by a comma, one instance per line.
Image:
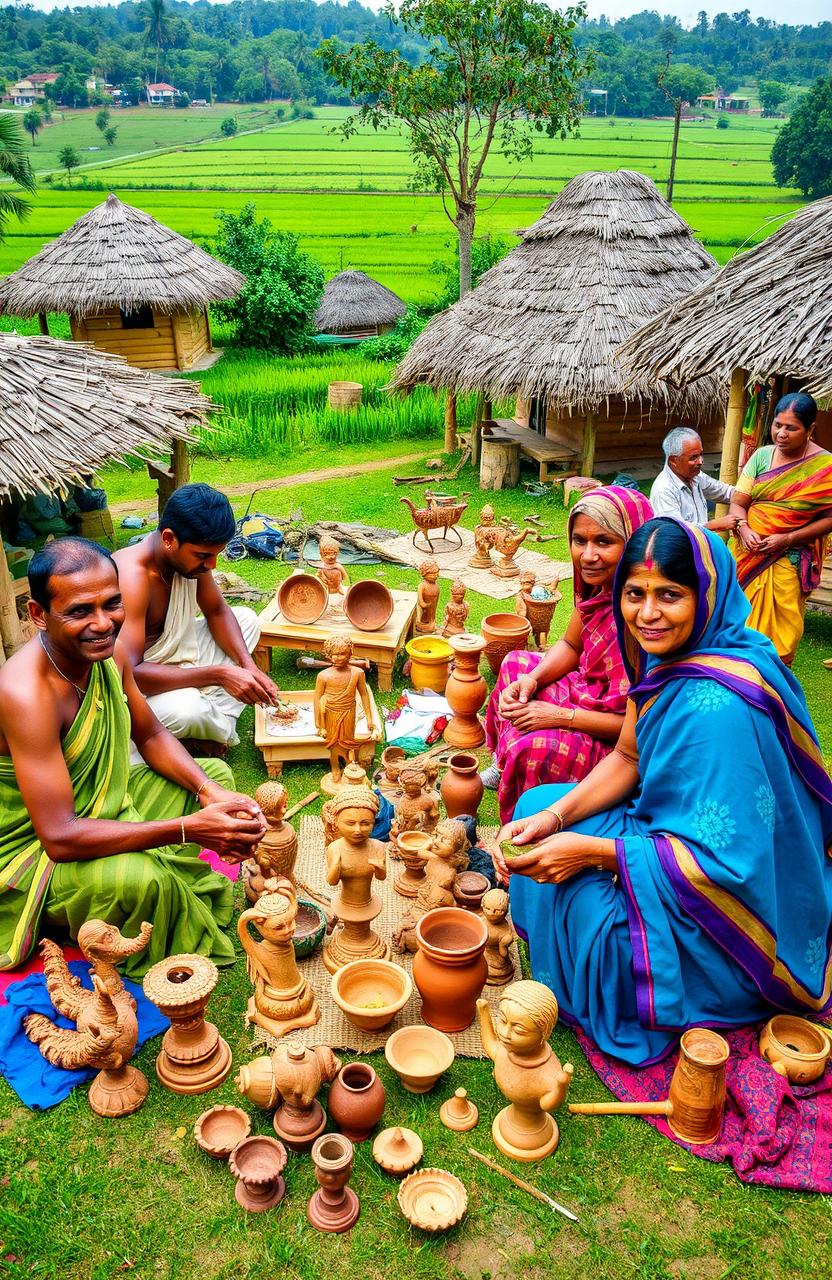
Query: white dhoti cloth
x=209, y=713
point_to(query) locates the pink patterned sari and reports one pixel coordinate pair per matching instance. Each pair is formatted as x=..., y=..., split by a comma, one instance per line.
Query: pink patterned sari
x=599, y=683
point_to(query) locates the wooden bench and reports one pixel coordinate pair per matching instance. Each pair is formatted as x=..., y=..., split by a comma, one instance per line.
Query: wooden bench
x=535, y=446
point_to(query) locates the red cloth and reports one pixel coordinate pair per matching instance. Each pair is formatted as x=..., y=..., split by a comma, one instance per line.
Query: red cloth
x=33, y=965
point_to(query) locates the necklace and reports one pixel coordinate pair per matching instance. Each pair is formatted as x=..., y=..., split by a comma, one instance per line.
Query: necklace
x=81, y=692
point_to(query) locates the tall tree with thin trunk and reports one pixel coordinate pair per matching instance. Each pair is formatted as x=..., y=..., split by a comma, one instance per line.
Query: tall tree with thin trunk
x=17, y=167
x=495, y=74
x=33, y=123
x=157, y=29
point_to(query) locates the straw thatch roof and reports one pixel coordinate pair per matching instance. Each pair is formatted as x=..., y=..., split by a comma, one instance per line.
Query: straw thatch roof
x=117, y=256
x=606, y=255
x=66, y=409
x=768, y=311
x=353, y=300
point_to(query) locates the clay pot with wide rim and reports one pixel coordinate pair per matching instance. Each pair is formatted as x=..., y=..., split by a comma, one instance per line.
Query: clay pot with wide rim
x=462, y=787
x=356, y=1101
x=257, y=1164
x=219, y=1129
x=419, y=1055
x=449, y=968
x=430, y=660
x=697, y=1087
x=795, y=1048
x=302, y=598
x=370, y=993
x=502, y=633
x=466, y=692
x=368, y=605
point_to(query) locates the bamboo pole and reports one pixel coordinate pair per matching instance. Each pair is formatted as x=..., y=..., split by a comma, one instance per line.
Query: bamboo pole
x=588, y=460
x=732, y=435
x=450, y=423
x=11, y=635
x=622, y=1108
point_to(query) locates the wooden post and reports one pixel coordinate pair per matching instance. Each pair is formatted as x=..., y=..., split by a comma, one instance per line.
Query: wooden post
x=208, y=330
x=588, y=460
x=181, y=357
x=732, y=435
x=11, y=636
x=476, y=434
x=450, y=422
x=179, y=464
x=43, y=323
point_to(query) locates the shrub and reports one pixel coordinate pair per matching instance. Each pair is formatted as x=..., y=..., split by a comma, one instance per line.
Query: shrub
x=395, y=344
x=228, y=127
x=723, y=122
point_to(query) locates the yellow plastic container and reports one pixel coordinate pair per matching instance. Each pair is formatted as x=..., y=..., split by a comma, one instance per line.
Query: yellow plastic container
x=430, y=657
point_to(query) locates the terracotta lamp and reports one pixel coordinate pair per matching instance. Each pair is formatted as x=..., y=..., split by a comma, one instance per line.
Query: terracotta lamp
x=257, y=1164
x=283, y=1000
x=353, y=861
x=194, y=1056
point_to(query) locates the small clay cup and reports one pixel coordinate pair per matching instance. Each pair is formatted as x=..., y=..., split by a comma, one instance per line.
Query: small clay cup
x=419, y=1055
x=219, y=1129
x=356, y=1101
x=310, y=927
x=371, y=992
x=413, y=851
x=795, y=1048
x=257, y=1164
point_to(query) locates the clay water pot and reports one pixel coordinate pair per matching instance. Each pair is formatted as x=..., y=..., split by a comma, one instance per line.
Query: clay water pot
x=466, y=692
x=257, y=1164
x=795, y=1048
x=219, y=1129
x=371, y=992
x=356, y=1101
x=430, y=659
x=504, y=632
x=419, y=1055
x=469, y=889
x=462, y=787
x=334, y=1206
x=302, y=598
x=368, y=605
x=449, y=968
x=697, y=1089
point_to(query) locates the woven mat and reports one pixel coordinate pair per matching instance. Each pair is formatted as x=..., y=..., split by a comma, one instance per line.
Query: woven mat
x=454, y=563
x=333, y=1028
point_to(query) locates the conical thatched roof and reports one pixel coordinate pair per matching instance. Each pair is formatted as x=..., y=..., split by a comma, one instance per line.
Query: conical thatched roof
x=769, y=310
x=117, y=256
x=606, y=255
x=66, y=409
x=353, y=300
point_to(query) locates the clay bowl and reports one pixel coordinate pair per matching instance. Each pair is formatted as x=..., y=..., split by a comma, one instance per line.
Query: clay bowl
x=469, y=889
x=302, y=599
x=795, y=1048
x=432, y=1199
x=368, y=605
x=371, y=992
x=310, y=927
x=414, y=845
x=219, y=1129
x=419, y=1055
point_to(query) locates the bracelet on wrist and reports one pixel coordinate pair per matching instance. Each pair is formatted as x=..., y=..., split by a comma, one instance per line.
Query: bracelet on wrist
x=558, y=816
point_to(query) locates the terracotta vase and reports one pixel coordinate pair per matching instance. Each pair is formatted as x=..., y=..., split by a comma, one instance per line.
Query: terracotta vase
x=795, y=1048
x=697, y=1089
x=470, y=887
x=356, y=1101
x=462, y=787
x=430, y=658
x=257, y=1164
x=194, y=1056
x=449, y=968
x=334, y=1206
x=502, y=633
x=466, y=692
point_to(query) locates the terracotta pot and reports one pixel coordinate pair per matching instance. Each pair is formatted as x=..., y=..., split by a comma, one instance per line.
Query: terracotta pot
x=697, y=1089
x=219, y=1129
x=462, y=787
x=356, y=1101
x=449, y=968
x=310, y=927
x=430, y=658
x=540, y=614
x=419, y=1055
x=302, y=598
x=257, y=1164
x=466, y=692
x=368, y=605
x=504, y=632
x=371, y=992
x=795, y=1048
x=469, y=889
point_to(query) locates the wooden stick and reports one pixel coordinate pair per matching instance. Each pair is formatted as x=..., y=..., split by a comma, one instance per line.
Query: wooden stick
x=301, y=804
x=622, y=1108
x=524, y=1186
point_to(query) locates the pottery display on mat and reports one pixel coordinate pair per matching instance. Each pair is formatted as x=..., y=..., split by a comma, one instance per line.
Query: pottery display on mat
x=302, y=599
x=334, y=1206
x=449, y=967
x=413, y=849
x=503, y=632
x=282, y=1000
x=507, y=543
x=356, y=1101
x=462, y=787
x=106, y=1028
x=494, y=907
x=368, y=605
x=447, y=856
x=370, y=993
x=219, y=1129
x=419, y=1056
x=526, y=1070
x=430, y=661
x=466, y=692
x=353, y=861
x=470, y=887
x=795, y=1048
x=484, y=535
x=458, y=1112
x=194, y=1057
x=456, y=610
x=697, y=1086
x=338, y=690
x=397, y=1151
x=276, y=853
x=310, y=927
x=433, y=1200
x=427, y=598
x=257, y=1164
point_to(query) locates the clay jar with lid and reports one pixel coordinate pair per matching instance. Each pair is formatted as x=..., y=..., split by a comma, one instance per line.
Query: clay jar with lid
x=462, y=787
x=449, y=968
x=356, y=1101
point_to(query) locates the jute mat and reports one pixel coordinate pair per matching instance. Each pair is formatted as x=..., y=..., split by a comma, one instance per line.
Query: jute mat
x=333, y=1028
x=454, y=563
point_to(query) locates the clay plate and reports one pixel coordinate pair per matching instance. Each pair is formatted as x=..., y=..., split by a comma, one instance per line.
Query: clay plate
x=419, y=1055
x=302, y=599
x=432, y=1199
x=371, y=992
x=368, y=605
x=219, y=1129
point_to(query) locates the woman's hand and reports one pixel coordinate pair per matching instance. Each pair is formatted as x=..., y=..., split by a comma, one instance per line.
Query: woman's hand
x=516, y=695
x=521, y=831
x=541, y=715
x=749, y=539
x=776, y=544
x=558, y=858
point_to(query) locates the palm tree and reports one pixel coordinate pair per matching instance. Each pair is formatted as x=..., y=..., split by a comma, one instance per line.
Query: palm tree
x=33, y=123
x=157, y=29
x=14, y=164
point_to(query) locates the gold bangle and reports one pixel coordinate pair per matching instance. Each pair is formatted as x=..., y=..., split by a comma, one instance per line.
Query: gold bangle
x=182, y=825
x=200, y=788
x=559, y=818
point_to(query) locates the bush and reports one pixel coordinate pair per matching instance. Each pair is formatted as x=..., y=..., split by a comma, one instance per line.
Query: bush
x=723, y=122
x=395, y=344
x=228, y=127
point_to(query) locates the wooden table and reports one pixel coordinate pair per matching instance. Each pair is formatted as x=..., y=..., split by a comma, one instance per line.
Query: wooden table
x=380, y=647
x=307, y=744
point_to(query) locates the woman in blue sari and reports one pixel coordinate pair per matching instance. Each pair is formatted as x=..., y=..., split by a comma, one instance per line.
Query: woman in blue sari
x=686, y=880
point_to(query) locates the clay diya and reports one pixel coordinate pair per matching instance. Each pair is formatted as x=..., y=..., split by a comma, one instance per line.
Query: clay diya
x=459, y=1113
x=419, y=1055
x=462, y=787
x=466, y=692
x=413, y=849
x=310, y=927
x=795, y=1048
x=370, y=993
x=368, y=605
x=469, y=889
x=194, y=1056
x=432, y=1199
x=219, y=1129
x=334, y=1206
x=397, y=1151
x=356, y=1101
x=430, y=660
x=302, y=598
x=449, y=968
x=257, y=1164
x=504, y=632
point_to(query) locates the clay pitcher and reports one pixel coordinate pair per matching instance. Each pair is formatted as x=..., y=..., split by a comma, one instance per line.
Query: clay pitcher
x=356, y=1101
x=697, y=1090
x=462, y=787
x=449, y=968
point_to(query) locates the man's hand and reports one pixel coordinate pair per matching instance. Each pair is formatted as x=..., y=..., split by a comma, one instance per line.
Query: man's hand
x=540, y=715
x=232, y=827
x=516, y=695
x=211, y=792
x=249, y=685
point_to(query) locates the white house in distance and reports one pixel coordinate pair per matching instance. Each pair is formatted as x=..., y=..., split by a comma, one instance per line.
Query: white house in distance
x=161, y=95
x=30, y=91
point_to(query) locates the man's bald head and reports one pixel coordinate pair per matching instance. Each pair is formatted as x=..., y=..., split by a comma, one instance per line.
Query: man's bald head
x=61, y=558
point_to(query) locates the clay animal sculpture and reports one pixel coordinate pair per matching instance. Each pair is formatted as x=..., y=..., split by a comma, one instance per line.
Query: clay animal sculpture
x=283, y=1000
x=353, y=861
x=508, y=541
x=427, y=598
x=106, y=1028
x=292, y=1076
x=526, y=1070
x=447, y=855
x=494, y=907
x=456, y=610
x=275, y=855
x=334, y=706
x=436, y=516
x=333, y=575
x=484, y=535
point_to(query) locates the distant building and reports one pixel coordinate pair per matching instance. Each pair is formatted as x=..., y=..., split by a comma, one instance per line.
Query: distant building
x=720, y=101
x=161, y=95
x=30, y=91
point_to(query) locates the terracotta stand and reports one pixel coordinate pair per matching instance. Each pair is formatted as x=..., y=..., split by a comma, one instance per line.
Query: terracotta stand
x=257, y=1164
x=194, y=1056
x=334, y=1206
x=283, y=1000
x=466, y=691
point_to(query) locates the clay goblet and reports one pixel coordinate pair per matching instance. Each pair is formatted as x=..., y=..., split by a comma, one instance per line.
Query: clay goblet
x=334, y=1206
x=413, y=851
x=257, y=1164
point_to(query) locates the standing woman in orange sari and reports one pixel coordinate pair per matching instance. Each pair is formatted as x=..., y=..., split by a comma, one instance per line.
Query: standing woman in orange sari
x=782, y=506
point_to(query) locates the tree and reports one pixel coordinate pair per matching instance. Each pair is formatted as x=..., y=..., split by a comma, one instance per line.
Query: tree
x=772, y=94
x=110, y=135
x=102, y=119
x=276, y=309
x=17, y=167
x=228, y=127
x=71, y=89
x=33, y=123
x=494, y=73
x=157, y=29
x=802, y=155
x=680, y=83
x=69, y=159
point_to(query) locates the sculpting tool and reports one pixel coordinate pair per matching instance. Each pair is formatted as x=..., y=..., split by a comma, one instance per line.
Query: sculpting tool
x=524, y=1186
x=301, y=804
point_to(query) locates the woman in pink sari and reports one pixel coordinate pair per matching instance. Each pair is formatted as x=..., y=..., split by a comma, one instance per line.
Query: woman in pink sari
x=553, y=716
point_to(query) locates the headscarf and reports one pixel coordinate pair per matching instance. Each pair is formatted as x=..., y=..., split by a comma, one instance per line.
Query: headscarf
x=620, y=512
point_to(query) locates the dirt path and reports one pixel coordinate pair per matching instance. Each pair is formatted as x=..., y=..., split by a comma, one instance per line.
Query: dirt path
x=285, y=482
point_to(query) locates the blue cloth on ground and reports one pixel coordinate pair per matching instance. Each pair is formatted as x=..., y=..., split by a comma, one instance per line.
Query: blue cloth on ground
x=35, y=1081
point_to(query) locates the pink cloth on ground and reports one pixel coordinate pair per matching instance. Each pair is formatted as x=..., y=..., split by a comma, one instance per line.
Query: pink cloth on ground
x=33, y=965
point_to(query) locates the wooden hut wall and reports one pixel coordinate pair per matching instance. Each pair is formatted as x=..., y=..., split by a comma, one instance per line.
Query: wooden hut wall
x=191, y=337
x=174, y=342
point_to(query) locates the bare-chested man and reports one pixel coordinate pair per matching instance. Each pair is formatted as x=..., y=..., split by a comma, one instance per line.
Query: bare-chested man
x=197, y=673
x=82, y=834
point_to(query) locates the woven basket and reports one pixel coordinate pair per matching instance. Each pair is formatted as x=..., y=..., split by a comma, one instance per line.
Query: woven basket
x=344, y=395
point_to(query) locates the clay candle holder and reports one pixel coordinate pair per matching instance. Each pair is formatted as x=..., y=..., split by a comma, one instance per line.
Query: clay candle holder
x=462, y=787
x=257, y=1164
x=795, y=1048
x=219, y=1129
x=449, y=968
x=370, y=993
x=356, y=1101
x=397, y=1151
x=194, y=1056
x=459, y=1113
x=432, y=1199
x=419, y=1055
x=466, y=692
x=334, y=1206
x=412, y=847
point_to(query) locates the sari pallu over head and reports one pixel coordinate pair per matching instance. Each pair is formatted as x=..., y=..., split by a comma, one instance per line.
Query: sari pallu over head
x=783, y=500
x=735, y=805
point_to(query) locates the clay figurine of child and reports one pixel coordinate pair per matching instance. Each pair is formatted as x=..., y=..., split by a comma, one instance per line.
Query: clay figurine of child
x=418, y=809
x=484, y=536
x=494, y=907
x=447, y=855
x=353, y=861
x=333, y=575
x=275, y=854
x=334, y=706
x=427, y=598
x=456, y=610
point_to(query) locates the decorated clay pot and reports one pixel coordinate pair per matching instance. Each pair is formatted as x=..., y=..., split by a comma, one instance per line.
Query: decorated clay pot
x=795, y=1048
x=393, y=760
x=504, y=632
x=449, y=968
x=302, y=598
x=697, y=1089
x=462, y=787
x=466, y=692
x=430, y=659
x=356, y=1101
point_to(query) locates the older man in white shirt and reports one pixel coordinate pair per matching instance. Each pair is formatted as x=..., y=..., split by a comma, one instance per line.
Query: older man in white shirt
x=682, y=488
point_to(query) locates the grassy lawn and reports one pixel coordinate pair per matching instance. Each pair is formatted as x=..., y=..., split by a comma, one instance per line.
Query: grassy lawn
x=86, y=1199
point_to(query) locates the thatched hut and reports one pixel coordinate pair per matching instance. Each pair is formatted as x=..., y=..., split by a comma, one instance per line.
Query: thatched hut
x=129, y=285
x=354, y=306
x=67, y=410
x=544, y=323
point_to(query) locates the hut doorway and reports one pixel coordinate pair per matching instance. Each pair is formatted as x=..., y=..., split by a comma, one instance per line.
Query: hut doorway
x=537, y=414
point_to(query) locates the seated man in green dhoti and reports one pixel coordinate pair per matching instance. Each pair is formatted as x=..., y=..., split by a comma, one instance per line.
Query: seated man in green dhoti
x=82, y=834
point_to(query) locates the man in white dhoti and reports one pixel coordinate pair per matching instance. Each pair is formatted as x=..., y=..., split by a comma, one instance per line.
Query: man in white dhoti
x=196, y=671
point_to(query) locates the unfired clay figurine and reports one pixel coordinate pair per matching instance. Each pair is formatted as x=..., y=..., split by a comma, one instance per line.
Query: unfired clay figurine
x=494, y=907
x=427, y=598
x=447, y=854
x=507, y=543
x=353, y=861
x=333, y=575
x=275, y=855
x=526, y=1070
x=484, y=536
x=282, y=1001
x=334, y=705
x=456, y=610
